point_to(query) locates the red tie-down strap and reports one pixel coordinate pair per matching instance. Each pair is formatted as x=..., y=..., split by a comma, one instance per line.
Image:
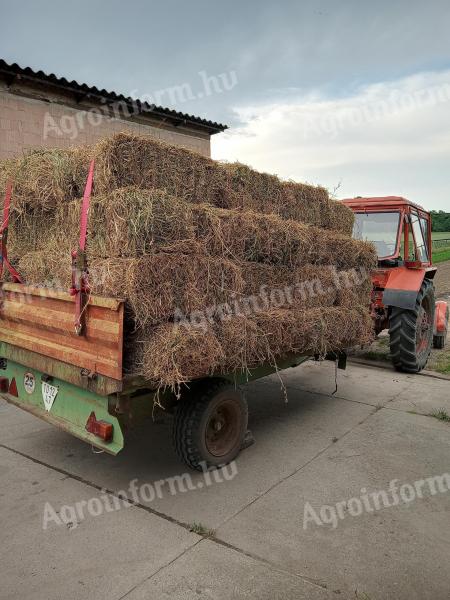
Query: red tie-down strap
x=4, y=236
x=80, y=283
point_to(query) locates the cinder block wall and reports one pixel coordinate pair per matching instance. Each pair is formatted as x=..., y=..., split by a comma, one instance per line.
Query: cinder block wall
x=23, y=125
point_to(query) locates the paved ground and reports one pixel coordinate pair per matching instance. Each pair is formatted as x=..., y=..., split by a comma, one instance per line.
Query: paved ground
x=319, y=449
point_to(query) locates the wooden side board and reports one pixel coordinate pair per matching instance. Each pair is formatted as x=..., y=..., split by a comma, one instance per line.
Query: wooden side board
x=42, y=320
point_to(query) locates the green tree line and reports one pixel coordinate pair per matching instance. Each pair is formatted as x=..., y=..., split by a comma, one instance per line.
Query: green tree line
x=440, y=220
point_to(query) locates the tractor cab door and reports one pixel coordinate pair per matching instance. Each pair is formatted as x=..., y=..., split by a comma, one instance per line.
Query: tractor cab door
x=417, y=239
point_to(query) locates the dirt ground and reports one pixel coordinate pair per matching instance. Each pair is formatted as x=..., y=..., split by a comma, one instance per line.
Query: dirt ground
x=442, y=281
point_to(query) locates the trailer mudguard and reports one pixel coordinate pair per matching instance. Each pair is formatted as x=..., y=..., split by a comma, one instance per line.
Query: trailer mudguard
x=402, y=287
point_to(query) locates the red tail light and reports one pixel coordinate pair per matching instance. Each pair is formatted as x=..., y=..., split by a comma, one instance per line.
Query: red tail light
x=101, y=429
x=4, y=385
x=13, y=388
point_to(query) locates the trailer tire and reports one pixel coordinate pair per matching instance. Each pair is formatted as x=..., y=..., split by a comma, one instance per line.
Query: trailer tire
x=210, y=424
x=411, y=332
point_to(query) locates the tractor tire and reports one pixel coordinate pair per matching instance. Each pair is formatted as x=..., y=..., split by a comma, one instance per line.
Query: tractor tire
x=210, y=424
x=411, y=332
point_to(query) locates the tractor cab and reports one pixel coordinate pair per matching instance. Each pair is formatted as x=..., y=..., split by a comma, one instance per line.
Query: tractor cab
x=403, y=298
x=399, y=229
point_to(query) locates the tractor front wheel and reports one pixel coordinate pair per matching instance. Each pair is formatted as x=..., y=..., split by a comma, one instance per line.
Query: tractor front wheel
x=411, y=332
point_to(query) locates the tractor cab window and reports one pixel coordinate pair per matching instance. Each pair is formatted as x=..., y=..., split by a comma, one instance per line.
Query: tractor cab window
x=380, y=228
x=421, y=246
x=424, y=224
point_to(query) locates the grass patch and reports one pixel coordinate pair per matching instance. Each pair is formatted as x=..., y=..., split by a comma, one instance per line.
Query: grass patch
x=375, y=355
x=440, y=235
x=201, y=529
x=441, y=255
x=442, y=415
x=378, y=351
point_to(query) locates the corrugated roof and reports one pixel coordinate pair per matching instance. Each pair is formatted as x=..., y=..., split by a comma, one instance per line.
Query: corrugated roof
x=177, y=118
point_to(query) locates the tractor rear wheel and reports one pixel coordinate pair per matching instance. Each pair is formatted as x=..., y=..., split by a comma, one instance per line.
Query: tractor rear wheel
x=411, y=332
x=210, y=424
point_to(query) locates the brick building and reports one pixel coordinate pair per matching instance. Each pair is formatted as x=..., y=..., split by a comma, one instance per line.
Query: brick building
x=44, y=110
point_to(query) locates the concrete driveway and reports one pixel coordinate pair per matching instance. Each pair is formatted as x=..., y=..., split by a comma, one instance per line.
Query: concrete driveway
x=339, y=498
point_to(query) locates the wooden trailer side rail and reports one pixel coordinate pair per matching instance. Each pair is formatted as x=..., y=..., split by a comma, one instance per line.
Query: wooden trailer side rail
x=41, y=320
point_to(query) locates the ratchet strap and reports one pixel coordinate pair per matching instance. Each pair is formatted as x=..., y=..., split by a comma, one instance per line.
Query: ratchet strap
x=4, y=237
x=80, y=281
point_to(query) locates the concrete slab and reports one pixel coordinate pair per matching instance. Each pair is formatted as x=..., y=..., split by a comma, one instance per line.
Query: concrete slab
x=100, y=557
x=211, y=571
x=357, y=383
x=318, y=448
x=287, y=437
x=395, y=552
x=425, y=396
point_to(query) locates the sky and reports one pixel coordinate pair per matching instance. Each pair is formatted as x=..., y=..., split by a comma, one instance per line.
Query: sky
x=352, y=95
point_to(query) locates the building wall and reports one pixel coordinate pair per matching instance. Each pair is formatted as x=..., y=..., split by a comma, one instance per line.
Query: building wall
x=33, y=122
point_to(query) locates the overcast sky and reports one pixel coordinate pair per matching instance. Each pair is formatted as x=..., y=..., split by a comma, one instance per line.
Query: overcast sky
x=353, y=95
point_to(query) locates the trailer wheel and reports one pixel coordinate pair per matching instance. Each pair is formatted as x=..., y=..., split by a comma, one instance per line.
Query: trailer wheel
x=411, y=332
x=210, y=423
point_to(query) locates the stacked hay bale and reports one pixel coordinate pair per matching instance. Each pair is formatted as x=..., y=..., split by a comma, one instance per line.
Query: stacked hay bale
x=223, y=268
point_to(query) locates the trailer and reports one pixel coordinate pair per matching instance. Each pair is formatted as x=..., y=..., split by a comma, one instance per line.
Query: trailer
x=61, y=359
x=75, y=380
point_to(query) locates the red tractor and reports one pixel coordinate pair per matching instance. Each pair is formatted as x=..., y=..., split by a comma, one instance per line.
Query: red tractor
x=403, y=299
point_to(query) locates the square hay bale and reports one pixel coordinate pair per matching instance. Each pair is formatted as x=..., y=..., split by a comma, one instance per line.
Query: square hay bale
x=157, y=287
x=130, y=222
x=46, y=178
x=173, y=354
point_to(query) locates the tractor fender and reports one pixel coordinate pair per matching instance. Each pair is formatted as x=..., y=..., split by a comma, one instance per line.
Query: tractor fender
x=402, y=287
x=441, y=317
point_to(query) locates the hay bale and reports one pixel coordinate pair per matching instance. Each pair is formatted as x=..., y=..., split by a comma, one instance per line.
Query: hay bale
x=46, y=178
x=305, y=288
x=281, y=287
x=222, y=268
x=157, y=287
x=126, y=159
x=173, y=354
x=131, y=222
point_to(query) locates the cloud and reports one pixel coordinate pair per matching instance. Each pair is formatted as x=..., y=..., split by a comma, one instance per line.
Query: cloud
x=389, y=137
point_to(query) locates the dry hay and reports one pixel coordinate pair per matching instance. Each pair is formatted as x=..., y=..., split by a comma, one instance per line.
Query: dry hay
x=173, y=354
x=164, y=286
x=126, y=159
x=131, y=222
x=222, y=245
x=157, y=287
x=46, y=178
x=307, y=287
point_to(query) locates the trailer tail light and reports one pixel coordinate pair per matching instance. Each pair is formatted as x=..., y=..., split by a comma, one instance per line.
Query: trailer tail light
x=4, y=385
x=101, y=429
x=13, y=388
